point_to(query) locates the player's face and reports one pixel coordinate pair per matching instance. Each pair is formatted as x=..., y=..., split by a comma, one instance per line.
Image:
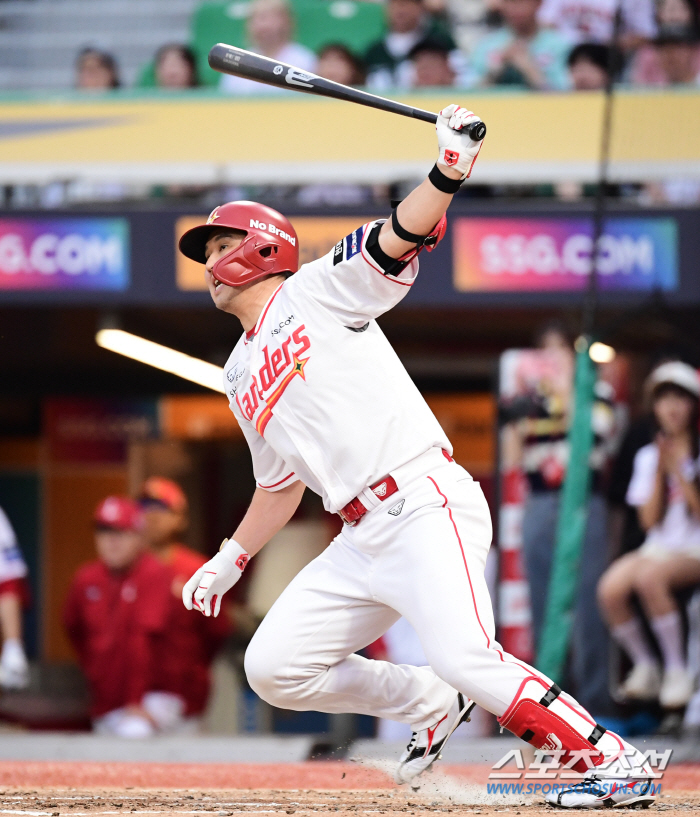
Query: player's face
x=118, y=549
x=673, y=409
x=219, y=245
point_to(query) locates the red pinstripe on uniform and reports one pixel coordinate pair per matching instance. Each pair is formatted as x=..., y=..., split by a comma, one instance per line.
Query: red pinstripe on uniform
x=530, y=677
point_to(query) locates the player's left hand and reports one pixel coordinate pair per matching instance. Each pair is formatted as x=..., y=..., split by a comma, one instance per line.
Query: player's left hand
x=457, y=150
x=205, y=589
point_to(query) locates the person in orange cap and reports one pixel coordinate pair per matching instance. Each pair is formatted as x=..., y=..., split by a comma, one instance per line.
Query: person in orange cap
x=192, y=642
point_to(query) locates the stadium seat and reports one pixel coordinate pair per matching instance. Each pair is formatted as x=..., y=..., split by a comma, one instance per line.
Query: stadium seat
x=147, y=76
x=354, y=24
x=217, y=22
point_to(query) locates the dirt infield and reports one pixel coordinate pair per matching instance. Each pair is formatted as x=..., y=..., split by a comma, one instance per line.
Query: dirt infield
x=45, y=789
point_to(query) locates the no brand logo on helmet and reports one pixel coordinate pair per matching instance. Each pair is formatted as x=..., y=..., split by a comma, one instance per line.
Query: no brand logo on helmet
x=451, y=158
x=270, y=228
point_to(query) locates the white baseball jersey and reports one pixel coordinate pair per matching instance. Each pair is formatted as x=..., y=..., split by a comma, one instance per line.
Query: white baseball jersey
x=12, y=564
x=318, y=391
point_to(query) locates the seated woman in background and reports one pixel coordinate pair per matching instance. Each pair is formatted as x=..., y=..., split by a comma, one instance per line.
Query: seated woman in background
x=337, y=63
x=96, y=70
x=176, y=67
x=665, y=490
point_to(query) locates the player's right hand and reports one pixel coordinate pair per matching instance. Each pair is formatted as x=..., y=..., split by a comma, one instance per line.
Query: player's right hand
x=457, y=150
x=204, y=590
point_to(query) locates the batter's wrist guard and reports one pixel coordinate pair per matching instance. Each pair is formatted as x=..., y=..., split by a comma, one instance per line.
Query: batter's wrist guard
x=443, y=183
x=555, y=724
x=234, y=553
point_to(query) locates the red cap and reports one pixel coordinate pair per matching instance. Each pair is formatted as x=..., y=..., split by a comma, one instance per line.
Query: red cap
x=165, y=492
x=118, y=513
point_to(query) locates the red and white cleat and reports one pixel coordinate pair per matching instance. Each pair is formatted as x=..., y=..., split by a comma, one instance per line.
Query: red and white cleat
x=426, y=745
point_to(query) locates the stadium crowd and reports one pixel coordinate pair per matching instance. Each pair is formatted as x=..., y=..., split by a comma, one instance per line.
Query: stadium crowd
x=544, y=45
x=538, y=45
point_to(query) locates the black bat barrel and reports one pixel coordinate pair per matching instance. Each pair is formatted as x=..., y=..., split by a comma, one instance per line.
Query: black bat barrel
x=228, y=59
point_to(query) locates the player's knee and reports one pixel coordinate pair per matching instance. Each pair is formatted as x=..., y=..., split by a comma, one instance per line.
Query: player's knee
x=262, y=671
x=274, y=677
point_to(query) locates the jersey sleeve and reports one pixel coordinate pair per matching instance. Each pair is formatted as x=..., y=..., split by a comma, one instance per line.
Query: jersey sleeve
x=643, y=474
x=356, y=280
x=271, y=472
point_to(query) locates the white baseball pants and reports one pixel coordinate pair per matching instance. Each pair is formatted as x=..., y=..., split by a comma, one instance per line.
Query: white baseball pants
x=426, y=564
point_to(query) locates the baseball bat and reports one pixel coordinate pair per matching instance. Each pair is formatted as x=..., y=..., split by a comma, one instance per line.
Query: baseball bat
x=240, y=63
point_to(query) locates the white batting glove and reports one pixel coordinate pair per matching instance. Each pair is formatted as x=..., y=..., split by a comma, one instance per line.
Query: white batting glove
x=204, y=590
x=456, y=148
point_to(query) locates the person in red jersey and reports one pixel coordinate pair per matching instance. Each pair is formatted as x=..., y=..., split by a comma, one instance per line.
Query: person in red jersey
x=191, y=643
x=116, y=615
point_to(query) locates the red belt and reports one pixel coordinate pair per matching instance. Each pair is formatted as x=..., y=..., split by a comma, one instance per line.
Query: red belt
x=355, y=510
x=386, y=487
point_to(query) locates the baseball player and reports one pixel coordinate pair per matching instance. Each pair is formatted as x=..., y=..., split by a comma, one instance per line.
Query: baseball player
x=325, y=403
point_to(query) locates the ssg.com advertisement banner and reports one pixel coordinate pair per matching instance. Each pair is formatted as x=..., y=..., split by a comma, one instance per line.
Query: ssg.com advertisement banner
x=75, y=253
x=507, y=254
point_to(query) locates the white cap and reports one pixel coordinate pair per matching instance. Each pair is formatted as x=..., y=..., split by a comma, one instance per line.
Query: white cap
x=677, y=374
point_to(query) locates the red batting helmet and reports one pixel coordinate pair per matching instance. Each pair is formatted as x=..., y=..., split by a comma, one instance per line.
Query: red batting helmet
x=270, y=246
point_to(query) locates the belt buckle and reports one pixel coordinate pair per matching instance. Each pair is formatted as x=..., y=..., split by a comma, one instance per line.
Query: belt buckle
x=346, y=520
x=358, y=513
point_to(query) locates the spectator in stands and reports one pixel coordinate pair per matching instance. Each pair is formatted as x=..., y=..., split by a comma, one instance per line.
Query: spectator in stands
x=337, y=63
x=665, y=490
x=14, y=669
x=176, y=67
x=594, y=20
x=540, y=420
x=188, y=648
x=96, y=71
x=672, y=17
x=677, y=47
x=521, y=53
x=590, y=65
x=430, y=60
x=115, y=615
x=469, y=20
x=269, y=30
x=408, y=23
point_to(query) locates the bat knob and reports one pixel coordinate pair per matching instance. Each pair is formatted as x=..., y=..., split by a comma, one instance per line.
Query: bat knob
x=476, y=131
